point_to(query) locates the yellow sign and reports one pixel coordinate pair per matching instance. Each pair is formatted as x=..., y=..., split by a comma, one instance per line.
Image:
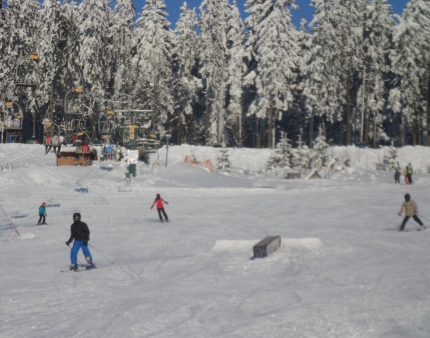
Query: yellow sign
x=153, y=136
x=34, y=57
x=110, y=112
x=132, y=129
x=78, y=90
x=9, y=104
x=104, y=137
x=48, y=123
x=80, y=133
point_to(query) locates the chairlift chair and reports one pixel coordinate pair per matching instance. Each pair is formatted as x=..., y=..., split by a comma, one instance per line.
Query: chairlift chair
x=27, y=72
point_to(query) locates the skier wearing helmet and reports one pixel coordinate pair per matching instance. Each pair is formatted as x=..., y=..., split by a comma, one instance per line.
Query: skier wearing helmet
x=160, y=207
x=411, y=210
x=81, y=235
x=42, y=214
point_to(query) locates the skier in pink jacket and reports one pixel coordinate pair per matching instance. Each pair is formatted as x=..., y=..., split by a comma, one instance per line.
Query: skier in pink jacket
x=160, y=207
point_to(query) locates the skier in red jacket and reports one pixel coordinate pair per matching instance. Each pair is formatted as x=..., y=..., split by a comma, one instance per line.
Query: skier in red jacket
x=160, y=207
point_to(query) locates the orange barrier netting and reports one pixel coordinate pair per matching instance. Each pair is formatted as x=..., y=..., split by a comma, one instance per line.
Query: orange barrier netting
x=205, y=164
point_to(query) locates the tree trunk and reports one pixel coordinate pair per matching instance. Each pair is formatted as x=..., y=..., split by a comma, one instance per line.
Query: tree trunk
x=348, y=109
x=414, y=131
x=428, y=108
x=270, y=128
x=375, y=136
x=207, y=116
x=420, y=131
x=258, y=134
x=403, y=131
x=179, y=140
x=51, y=109
x=34, y=125
x=366, y=126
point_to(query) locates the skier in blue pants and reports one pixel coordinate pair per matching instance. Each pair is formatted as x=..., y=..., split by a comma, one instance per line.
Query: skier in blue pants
x=81, y=235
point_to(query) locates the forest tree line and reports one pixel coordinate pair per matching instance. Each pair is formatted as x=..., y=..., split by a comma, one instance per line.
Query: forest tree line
x=356, y=73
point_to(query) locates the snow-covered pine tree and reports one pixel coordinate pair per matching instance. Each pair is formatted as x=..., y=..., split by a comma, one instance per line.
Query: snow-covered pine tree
x=392, y=163
x=283, y=156
x=223, y=163
x=153, y=60
x=3, y=50
x=49, y=49
x=71, y=69
x=94, y=54
x=377, y=43
x=122, y=40
x=236, y=70
x=320, y=155
x=186, y=84
x=22, y=27
x=273, y=43
x=213, y=55
x=321, y=65
x=350, y=27
x=411, y=62
x=302, y=156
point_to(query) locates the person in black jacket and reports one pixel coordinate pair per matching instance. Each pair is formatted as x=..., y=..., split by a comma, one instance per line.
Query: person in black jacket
x=397, y=176
x=81, y=234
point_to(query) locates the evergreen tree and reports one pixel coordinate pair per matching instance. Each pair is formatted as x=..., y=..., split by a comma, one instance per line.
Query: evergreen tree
x=392, y=162
x=273, y=42
x=122, y=33
x=283, y=156
x=322, y=65
x=377, y=42
x=49, y=49
x=153, y=59
x=236, y=70
x=213, y=55
x=411, y=63
x=94, y=56
x=320, y=156
x=223, y=163
x=302, y=158
x=186, y=84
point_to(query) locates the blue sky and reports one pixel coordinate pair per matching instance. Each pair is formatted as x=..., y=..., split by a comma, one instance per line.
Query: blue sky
x=305, y=10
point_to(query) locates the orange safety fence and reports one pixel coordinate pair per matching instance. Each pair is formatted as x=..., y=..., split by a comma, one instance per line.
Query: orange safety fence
x=205, y=164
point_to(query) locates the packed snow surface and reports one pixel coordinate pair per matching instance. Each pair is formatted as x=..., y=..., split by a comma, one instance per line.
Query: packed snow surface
x=342, y=270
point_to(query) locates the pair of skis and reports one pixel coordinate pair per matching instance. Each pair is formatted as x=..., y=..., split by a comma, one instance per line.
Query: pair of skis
x=81, y=267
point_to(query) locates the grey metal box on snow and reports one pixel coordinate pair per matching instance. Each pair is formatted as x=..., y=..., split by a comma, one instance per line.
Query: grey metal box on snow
x=267, y=246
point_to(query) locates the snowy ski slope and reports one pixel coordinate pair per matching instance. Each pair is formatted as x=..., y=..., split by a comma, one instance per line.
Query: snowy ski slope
x=342, y=270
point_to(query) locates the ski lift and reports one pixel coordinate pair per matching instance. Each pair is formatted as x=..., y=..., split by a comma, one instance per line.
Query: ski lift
x=27, y=71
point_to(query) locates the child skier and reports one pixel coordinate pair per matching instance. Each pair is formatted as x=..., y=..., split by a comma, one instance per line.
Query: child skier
x=411, y=210
x=81, y=234
x=42, y=214
x=405, y=173
x=397, y=176
x=160, y=207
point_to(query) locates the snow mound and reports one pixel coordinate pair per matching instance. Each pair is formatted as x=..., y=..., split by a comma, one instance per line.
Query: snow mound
x=27, y=236
x=234, y=245
x=308, y=244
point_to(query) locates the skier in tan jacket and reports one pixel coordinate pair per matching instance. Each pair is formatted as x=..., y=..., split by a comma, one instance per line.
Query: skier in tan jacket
x=411, y=210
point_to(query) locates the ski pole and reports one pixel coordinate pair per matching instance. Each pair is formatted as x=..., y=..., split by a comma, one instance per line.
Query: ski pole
x=149, y=215
x=424, y=218
x=100, y=253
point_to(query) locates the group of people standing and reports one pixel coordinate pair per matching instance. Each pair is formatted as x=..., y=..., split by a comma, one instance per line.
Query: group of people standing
x=407, y=173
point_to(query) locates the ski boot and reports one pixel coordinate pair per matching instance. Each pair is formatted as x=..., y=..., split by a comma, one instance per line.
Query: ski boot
x=74, y=267
x=90, y=264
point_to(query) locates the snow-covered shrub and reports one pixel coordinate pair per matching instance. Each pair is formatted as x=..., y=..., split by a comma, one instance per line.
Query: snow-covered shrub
x=302, y=157
x=391, y=159
x=320, y=156
x=283, y=155
x=223, y=163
